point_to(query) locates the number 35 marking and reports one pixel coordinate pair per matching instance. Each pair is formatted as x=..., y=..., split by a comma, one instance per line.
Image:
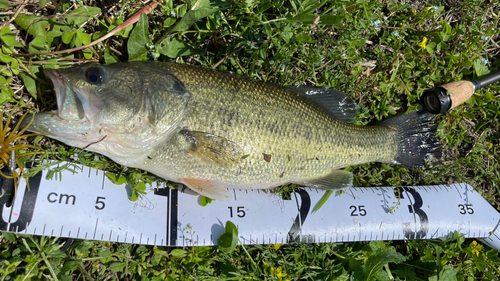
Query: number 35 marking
x=466, y=209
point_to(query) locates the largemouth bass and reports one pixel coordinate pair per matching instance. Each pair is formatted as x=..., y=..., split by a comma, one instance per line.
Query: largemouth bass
x=212, y=130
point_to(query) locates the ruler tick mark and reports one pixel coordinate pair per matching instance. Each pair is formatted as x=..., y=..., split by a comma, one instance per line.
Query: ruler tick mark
x=78, y=233
x=95, y=229
x=458, y=191
x=43, y=232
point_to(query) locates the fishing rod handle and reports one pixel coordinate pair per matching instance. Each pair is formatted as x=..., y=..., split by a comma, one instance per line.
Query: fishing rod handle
x=459, y=91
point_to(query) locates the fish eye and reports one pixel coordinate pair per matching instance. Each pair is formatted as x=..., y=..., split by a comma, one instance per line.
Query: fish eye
x=95, y=75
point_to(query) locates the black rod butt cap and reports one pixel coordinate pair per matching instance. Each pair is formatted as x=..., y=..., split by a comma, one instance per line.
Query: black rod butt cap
x=436, y=100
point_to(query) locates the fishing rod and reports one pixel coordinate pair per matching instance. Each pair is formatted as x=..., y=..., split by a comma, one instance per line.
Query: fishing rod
x=450, y=95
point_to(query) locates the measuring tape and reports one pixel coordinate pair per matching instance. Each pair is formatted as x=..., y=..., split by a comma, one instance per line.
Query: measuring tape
x=86, y=205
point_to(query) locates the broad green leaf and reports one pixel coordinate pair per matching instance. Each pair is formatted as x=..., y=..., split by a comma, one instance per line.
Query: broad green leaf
x=67, y=36
x=140, y=186
x=105, y=253
x=312, y=5
x=303, y=38
x=5, y=58
x=6, y=94
x=139, y=37
x=134, y=196
x=70, y=265
x=480, y=68
x=84, y=37
x=173, y=48
x=7, y=36
x=32, y=24
x=226, y=242
x=81, y=15
x=469, y=115
x=54, y=33
x=332, y=19
x=56, y=253
x=231, y=228
x=109, y=57
x=29, y=83
x=38, y=44
x=113, y=179
x=87, y=54
x=178, y=253
x=200, y=9
x=42, y=3
x=448, y=273
x=4, y=4
x=9, y=236
x=117, y=266
x=430, y=47
x=305, y=18
x=379, y=258
x=168, y=22
x=205, y=201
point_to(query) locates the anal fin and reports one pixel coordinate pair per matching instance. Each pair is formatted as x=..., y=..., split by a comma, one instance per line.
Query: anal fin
x=336, y=180
x=207, y=189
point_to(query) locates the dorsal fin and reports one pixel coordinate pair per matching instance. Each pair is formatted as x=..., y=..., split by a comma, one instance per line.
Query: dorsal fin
x=338, y=104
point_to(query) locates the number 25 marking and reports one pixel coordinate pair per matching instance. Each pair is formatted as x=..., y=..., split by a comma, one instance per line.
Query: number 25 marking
x=358, y=211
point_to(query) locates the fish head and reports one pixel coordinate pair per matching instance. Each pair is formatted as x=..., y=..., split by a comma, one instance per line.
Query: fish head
x=118, y=110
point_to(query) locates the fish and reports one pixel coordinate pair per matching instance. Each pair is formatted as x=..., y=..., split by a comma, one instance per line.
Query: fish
x=214, y=131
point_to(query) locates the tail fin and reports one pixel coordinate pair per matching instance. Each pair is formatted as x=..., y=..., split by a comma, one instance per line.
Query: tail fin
x=417, y=138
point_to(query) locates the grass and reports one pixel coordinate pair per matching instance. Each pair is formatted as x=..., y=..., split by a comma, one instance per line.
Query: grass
x=383, y=54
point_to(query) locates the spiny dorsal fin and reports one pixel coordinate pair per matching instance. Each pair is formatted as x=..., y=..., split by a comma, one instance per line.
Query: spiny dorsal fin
x=338, y=104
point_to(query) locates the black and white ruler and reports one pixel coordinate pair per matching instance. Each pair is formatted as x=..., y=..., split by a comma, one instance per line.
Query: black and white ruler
x=87, y=205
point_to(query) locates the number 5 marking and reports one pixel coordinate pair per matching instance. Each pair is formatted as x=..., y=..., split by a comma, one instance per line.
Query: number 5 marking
x=416, y=211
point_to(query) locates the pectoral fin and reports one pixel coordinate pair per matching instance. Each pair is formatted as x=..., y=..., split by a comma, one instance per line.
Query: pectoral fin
x=336, y=180
x=207, y=189
x=213, y=149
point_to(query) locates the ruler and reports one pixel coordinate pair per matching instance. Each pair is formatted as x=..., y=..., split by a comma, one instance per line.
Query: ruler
x=86, y=205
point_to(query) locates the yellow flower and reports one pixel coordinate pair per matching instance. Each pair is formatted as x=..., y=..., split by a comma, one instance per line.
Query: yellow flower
x=279, y=273
x=272, y=269
x=423, y=44
x=475, y=248
x=276, y=246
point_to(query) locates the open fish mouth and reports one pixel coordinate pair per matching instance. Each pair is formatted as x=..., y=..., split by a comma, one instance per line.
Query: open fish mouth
x=74, y=101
